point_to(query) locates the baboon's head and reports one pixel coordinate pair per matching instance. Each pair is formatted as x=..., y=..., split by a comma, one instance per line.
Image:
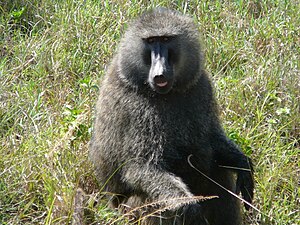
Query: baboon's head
x=160, y=50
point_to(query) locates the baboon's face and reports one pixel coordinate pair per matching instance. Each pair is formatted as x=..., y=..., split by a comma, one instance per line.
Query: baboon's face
x=160, y=57
x=160, y=52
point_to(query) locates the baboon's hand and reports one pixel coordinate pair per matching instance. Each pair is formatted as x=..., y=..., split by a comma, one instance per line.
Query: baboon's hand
x=245, y=185
x=193, y=215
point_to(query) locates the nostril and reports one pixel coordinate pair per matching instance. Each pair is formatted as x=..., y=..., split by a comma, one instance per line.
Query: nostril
x=159, y=78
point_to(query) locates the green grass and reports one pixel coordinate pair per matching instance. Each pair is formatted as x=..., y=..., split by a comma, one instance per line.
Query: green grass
x=52, y=54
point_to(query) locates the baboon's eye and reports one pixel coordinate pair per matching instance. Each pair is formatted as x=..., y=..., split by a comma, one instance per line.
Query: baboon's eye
x=150, y=40
x=165, y=39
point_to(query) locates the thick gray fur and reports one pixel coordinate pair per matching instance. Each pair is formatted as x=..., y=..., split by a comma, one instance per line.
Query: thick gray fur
x=142, y=139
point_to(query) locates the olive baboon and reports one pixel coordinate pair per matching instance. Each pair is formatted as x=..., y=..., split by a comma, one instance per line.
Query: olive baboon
x=156, y=109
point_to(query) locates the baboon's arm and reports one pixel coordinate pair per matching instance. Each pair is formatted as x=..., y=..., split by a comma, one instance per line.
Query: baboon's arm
x=227, y=154
x=156, y=183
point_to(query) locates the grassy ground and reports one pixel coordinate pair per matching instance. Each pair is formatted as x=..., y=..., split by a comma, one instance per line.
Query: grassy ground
x=52, y=54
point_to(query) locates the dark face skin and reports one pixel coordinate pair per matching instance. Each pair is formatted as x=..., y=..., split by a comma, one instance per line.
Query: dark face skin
x=159, y=55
